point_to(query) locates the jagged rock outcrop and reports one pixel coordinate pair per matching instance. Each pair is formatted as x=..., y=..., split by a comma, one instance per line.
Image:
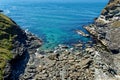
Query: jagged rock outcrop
x=106, y=31
x=112, y=11
x=15, y=47
x=107, y=26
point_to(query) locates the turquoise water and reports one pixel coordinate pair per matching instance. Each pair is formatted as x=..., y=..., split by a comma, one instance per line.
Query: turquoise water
x=54, y=23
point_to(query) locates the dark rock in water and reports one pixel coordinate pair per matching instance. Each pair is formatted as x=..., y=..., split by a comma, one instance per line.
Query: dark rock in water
x=63, y=46
x=1, y=10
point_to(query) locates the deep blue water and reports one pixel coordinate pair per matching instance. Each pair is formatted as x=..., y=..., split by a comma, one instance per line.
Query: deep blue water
x=54, y=23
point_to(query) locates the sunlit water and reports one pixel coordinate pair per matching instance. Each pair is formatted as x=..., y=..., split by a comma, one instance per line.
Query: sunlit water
x=54, y=23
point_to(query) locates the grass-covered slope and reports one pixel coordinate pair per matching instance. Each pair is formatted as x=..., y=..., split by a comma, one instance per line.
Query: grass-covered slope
x=15, y=44
x=8, y=32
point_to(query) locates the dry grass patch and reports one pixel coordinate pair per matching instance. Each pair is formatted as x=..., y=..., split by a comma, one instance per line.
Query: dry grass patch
x=116, y=24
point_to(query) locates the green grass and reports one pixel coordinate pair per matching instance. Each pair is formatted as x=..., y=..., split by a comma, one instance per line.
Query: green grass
x=7, y=35
x=4, y=56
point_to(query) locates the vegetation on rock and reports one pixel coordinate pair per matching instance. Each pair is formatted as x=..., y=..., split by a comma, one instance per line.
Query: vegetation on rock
x=7, y=35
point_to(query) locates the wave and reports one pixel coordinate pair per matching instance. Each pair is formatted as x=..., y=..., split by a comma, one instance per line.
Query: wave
x=90, y=12
x=14, y=7
x=26, y=27
x=7, y=12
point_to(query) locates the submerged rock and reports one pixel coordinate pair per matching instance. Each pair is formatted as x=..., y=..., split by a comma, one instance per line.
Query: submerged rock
x=82, y=33
x=1, y=10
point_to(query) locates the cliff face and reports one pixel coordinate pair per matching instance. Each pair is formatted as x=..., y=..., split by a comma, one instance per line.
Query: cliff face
x=113, y=25
x=107, y=26
x=112, y=16
x=106, y=30
x=15, y=46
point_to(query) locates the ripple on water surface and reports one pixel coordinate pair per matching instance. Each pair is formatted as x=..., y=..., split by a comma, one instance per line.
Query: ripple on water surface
x=54, y=23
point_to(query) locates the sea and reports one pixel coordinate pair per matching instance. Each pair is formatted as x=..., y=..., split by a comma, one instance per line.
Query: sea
x=53, y=22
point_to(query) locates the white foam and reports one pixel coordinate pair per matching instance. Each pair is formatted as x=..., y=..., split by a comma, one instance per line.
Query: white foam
x=7, y=11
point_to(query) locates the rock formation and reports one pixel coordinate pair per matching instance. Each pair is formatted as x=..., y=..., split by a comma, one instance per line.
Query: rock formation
x=107, y=26
x=15, y=47
x=106, y=30
x=99, y=60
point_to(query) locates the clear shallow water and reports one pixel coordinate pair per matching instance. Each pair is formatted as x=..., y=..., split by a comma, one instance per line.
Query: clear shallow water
x=54, y=23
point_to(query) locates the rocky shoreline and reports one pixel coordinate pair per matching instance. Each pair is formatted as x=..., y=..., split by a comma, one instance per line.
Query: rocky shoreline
x=98, y=60
x=92, y=63
x=16, y=43
x=22, y=50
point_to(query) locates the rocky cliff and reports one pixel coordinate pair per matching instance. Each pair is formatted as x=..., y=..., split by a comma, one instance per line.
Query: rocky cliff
x=106, y=31
x=15, y=47
x=107, y=26
x=112, y=16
